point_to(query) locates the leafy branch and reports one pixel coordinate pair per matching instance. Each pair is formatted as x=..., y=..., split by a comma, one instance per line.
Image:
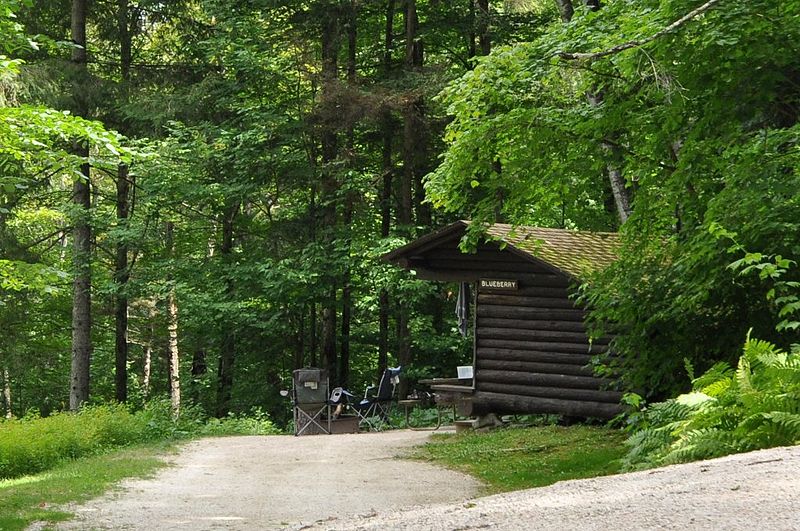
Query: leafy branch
x=578, y=56
x=783, y=293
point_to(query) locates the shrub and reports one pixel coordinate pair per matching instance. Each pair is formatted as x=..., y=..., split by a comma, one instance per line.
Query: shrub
x=255, y=423
x=35, y=444
x=756, y=405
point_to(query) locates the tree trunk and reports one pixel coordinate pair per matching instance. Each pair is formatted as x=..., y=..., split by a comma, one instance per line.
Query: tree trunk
x=621, y=193
x=7, y=393
x=174, y=358
x=123, y=27
x=412, y=128
x=329, y=332
x=82, y=234
x=344, y=352
x=483, y=18
x=622, y=198
x=172, y=331
x=386, y=216
x=347, y=289
x=406, y=204
x=81, y=290
x=121, y=273
x=385, y=198
x=404, y=357
x=148, y=354
x=121, y=276
x=472, y=50
x=199, y=368
x=330, y=185
x=391, y=6
x=299, y=341
x=566, y=9
x=313, y=343
x=414, y=47
x=228, y=347
x=419, y=155
x=619, y=190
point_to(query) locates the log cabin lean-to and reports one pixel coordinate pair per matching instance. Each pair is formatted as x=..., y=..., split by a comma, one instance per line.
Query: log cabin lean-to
x=531, y=350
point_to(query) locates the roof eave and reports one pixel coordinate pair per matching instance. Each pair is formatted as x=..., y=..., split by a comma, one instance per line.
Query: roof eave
x=425, y=241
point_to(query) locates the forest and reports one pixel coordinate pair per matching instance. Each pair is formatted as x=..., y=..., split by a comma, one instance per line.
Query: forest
x=195, y=194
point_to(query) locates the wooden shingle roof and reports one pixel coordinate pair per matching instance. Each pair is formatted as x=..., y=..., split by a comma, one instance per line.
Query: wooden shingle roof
x=575, y=253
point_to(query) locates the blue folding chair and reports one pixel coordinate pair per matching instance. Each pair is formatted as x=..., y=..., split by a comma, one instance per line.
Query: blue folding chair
x=373, y=409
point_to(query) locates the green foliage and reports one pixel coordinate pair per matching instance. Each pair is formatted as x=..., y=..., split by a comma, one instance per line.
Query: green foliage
x=756, y=405
x=35, y=444
x=40, y=498
x=31, y=445
x=702, y=124
x=772, y=269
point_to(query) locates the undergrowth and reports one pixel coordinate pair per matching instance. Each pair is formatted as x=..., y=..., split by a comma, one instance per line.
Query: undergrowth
x=754, y=406
x=34, y=444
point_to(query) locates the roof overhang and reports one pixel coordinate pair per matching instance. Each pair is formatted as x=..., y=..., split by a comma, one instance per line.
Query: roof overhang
x=567, y=252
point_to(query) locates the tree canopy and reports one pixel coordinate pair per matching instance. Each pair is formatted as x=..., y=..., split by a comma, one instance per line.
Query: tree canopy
x=246, y=165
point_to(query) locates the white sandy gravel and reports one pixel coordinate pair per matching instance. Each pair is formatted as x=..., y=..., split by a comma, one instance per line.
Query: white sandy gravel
x=754, y=491
x=355, y=482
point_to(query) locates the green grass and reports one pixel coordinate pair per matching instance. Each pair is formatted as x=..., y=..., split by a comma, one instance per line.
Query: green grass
x=37, y=497
x=519, y=458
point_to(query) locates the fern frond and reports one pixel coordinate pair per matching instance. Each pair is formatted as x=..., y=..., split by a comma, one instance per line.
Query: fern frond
x=662, y=413
x=718, y=372
x=756, y=348
x=717, y=388
x=743, y=375
x=701, y=444
x=646, y=447
x=789, y=424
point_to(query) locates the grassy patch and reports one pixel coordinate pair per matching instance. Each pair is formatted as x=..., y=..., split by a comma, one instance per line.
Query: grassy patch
x=519, y=458
x=34, y=445
x=34, y=498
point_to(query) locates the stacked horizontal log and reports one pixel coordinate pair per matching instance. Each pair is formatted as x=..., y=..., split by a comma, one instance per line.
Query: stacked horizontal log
x=532, y=353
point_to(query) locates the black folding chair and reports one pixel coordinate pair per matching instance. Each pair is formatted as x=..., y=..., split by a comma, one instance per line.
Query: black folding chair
x=310, y=401
x=373, y=409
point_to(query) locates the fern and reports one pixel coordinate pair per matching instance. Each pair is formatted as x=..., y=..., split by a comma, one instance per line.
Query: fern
x=719, y=373
x=701, y=444
x=788, y=424
x=755, y=406
x=718, y=388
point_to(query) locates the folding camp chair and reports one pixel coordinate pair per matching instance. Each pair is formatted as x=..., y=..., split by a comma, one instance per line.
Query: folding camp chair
x=310, y=401
x=373, y=409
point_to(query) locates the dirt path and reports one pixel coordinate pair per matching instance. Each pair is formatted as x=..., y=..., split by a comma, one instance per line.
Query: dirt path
x=277, y=482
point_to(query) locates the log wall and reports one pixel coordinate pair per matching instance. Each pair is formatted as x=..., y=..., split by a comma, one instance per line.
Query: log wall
x=532, y=352
x=531, y=348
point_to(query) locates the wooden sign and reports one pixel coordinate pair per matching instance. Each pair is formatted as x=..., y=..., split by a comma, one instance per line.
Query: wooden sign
x=498, y=284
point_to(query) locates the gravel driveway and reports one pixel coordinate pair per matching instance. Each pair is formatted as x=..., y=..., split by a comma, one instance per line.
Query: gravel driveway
x=749, y=492
x=277, y=482
x=356, y=482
